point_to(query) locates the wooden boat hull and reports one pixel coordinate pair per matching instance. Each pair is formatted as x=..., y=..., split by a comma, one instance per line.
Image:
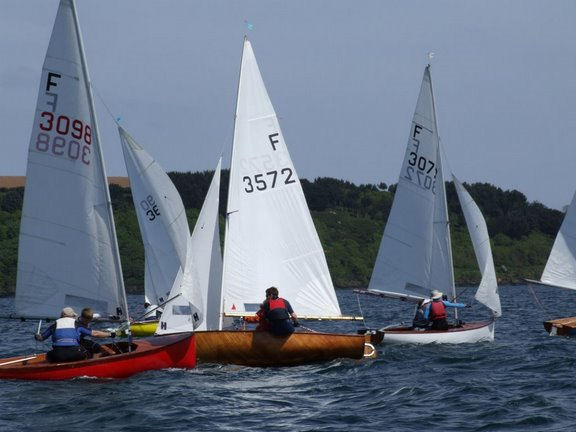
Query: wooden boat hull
x=259, y=348
x=160, y=352
x=482, y=331
x=561, y=327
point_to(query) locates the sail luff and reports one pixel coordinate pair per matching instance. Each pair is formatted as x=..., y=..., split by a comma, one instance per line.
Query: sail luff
x=231, y=176
x=111, y=226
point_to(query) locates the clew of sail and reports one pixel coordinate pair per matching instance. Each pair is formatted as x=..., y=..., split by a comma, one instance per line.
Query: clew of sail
x=67, y=246
x=161, y=217
x=487, y=292
x=405, y=255
x=270, y=235
x=560, y=268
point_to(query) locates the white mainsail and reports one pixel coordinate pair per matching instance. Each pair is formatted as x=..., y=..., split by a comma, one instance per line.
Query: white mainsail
x=404, y=261
x=201, y=280
x=560, y=268
x=487, y=292
x=68, y=255
x=161, y=216
x=270, y=235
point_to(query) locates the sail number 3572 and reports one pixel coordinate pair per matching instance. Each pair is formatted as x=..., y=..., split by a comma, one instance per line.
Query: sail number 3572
x=73, y=139
x=269, y=180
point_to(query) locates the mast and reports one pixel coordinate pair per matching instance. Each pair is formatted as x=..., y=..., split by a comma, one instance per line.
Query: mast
x=444, y=201
x=96, y=132
x=224, y=262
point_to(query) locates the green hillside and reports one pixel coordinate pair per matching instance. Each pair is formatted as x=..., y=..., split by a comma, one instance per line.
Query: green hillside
x=349, y=218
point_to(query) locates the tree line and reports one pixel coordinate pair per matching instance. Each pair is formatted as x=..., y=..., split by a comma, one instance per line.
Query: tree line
x=349, y=219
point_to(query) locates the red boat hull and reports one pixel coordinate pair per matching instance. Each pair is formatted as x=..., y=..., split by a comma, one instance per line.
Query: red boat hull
x=159, y=352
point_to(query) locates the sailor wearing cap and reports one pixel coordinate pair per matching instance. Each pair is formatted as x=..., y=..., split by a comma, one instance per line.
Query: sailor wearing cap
x=436, y=310
x=65, y=338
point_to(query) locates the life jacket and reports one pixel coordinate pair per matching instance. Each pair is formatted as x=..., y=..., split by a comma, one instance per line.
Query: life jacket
x=437, y=310
x=277, y=310
x=65, y=333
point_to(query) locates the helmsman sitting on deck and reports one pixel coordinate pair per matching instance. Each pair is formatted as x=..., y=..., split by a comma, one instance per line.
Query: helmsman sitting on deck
x=435, y=311
x=66, y=336
x=279, y=313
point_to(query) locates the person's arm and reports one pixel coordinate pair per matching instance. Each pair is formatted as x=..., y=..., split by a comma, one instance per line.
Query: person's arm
x=45, y=334
x=426, y=311
x=291, y=311
x=95, y=333
x=454, y=305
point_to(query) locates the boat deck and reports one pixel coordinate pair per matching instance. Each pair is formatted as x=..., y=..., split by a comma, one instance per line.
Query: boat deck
x=561, y=326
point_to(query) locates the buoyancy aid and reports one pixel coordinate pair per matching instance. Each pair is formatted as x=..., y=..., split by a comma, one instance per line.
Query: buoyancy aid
x=277, y=310
x=65, y=333
x=437, y=310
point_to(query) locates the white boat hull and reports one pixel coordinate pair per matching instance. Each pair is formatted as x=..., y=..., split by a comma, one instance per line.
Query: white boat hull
x=482, y=331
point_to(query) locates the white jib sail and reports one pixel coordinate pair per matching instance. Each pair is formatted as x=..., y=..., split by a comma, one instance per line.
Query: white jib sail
x=161, y=216
x=560, y=268
x=487, y=292
x=67, y=247
x=270, y=235
x=404, y=260
x=198, y=305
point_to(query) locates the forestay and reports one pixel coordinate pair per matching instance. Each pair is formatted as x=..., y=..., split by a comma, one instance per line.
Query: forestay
x=487, y=292
x=404, y=261
x=202, y=278
x=270, y=235
x=67, y=246
x=161, y=216
x=560, y=269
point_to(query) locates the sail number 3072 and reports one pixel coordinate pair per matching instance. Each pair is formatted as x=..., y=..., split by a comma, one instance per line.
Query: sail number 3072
x=261, y=183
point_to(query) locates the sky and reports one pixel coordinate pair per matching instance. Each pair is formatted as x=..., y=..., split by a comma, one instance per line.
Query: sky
x=343, y=76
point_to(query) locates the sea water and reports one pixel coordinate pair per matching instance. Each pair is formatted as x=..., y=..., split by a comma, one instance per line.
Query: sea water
x=523, y=381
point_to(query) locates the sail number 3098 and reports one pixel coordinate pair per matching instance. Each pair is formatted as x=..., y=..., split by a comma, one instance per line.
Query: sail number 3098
x=258, y=182
x=77, y=148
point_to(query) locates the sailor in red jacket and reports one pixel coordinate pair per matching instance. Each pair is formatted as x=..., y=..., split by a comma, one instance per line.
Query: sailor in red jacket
x=435, y=311
x=279, y=313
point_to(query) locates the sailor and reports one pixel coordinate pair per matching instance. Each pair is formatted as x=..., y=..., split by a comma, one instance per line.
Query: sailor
x=435, y=311
x=419, y=322
x=66, y=338
x=279, y=313
x=89, y=345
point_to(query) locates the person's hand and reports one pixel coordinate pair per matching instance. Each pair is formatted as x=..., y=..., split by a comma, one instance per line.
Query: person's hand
x=296, y=324
x=38, y=337
x=112, y=335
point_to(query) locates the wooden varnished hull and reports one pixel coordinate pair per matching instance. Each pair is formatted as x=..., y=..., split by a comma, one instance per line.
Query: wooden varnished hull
x=561, y=327
x=259, y=348
x=171, y=351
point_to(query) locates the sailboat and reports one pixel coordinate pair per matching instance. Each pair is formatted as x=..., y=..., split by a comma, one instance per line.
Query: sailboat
x=415, y=254
x=68, y=252
x=560, y=270
x=270, y=241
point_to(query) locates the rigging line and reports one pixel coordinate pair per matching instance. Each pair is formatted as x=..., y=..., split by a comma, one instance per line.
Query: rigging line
x=360, y=310
x=536, y=300
x=114, y=119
